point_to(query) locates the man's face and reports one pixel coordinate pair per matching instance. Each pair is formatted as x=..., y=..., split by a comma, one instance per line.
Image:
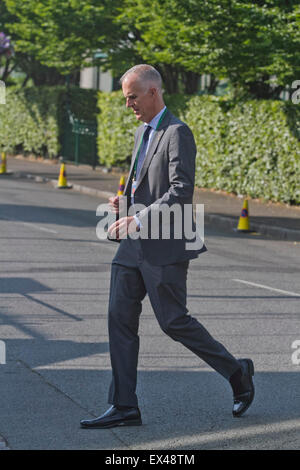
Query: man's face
x=139, y=97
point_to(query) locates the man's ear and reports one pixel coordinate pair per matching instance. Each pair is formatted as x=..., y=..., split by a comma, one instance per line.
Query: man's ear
x=153, y=91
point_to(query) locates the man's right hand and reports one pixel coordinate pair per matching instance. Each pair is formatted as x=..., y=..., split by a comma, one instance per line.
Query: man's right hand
x=114, y=204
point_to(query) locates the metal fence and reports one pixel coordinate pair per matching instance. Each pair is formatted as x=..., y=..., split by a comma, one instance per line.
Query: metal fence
x=79, y=140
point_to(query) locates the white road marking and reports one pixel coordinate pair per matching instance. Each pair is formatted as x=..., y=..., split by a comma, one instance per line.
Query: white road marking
x=254, y=284
x=30, y=224
x=43, y=229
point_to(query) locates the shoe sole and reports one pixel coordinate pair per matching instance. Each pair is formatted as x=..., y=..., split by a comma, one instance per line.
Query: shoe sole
x=251, y=373
x=133, y=422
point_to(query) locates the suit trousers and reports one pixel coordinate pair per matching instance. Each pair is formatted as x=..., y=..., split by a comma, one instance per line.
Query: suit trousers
x=132, y=277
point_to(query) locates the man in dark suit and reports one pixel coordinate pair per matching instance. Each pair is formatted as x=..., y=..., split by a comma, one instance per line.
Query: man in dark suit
x=161, y=176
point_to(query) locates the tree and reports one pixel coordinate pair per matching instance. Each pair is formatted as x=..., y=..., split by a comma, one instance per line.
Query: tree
x=248, y=42
x=23, y=61
x=59, y=34
x=254, y=44
x=65, y=35
x=154, y=26
x=251, y=43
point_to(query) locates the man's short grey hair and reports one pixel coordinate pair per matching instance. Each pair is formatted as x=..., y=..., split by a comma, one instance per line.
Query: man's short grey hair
x=146, y=73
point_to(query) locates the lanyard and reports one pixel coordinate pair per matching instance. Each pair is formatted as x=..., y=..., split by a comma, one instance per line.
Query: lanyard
x=140, y=146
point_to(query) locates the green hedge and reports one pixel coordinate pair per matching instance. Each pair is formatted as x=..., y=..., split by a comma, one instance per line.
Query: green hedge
x=116, y=128
x=262, y=154
x=249, y=148
x=117, y=125
x=32, y=120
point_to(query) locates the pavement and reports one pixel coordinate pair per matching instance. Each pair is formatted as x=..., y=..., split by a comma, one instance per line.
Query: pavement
x=54, y=289
x=3, y=445
x=222, y=210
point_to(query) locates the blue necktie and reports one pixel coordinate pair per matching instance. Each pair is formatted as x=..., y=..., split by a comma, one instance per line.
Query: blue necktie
x=142, y=154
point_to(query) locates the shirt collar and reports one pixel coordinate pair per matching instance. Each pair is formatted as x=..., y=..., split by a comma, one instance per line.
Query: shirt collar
x=153, y=123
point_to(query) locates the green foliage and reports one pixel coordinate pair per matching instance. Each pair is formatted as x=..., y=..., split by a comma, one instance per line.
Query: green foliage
x=61, y=34
x=262, y=155
x=247, y=42
x=253, y=44
x=28, y=121
x=116, y=127
x=83, y=102
x=249, y=148
x=32, y=120
x=208, y=123
x=176, y=103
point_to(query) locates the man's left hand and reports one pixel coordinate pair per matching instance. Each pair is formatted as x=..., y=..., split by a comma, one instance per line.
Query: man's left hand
x=122, y=227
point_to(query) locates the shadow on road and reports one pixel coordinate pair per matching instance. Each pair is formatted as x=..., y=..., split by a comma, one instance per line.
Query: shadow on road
x=181, y=409
x=184, y=409
x=25, y=286
x=49, y=215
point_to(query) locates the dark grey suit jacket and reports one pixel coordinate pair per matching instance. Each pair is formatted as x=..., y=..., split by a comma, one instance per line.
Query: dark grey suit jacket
x=166, y=178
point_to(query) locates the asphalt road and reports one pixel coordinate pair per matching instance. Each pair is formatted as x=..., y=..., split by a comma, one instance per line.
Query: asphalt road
x=54, y=286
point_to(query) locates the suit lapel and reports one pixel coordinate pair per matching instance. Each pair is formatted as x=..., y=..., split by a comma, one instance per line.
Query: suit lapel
x=157, y=135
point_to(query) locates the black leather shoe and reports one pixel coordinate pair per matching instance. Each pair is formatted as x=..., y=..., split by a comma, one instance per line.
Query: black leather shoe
x=114, y=417
x=242, y=401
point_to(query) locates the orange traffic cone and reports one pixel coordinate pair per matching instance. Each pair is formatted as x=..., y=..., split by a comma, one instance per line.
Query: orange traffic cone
x=243, y=225
x=121, y=186
x=62, y=179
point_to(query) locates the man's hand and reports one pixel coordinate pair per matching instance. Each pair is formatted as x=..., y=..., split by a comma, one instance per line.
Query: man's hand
x=122, y=227
x=114, y=204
